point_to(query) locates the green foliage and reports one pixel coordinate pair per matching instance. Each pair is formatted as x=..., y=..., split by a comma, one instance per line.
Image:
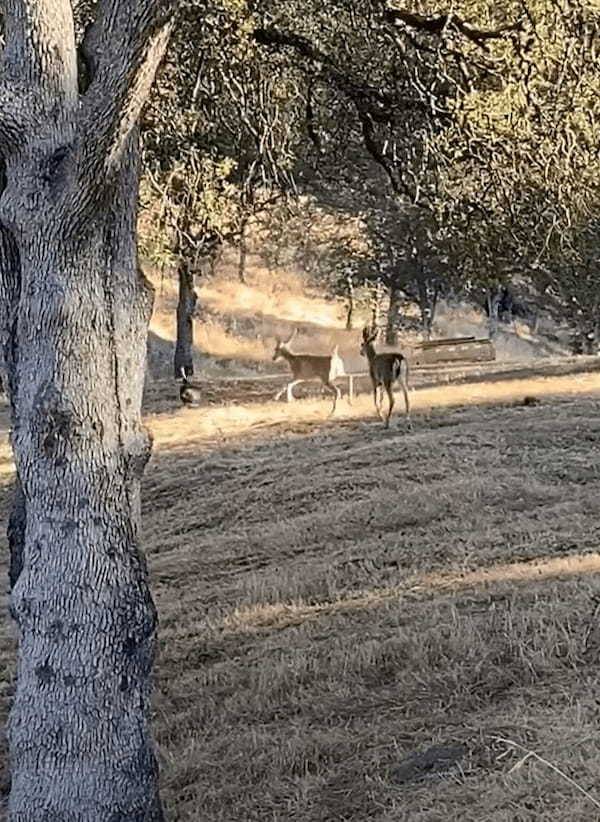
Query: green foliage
x=461, y=148
x=217, y=135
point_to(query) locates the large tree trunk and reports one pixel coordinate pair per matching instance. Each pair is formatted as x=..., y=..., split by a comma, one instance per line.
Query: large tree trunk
x=79, y=735
x=186, y=307
x=81, y=600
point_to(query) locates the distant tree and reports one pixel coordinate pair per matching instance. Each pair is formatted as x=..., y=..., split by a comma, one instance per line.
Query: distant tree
x=217, y=150
x=74, y=310
x=520, y=173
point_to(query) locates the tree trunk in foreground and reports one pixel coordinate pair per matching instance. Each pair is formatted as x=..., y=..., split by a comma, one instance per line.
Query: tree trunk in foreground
x=75, y=310
x=186, y=306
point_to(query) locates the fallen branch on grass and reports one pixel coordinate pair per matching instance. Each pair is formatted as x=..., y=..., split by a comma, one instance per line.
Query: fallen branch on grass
x=533, y=755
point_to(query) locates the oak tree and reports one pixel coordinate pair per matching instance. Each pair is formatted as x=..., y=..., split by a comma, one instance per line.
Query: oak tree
x=74, y=310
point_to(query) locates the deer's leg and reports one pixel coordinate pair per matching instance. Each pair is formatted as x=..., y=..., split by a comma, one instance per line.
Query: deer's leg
x=390, y=393
x=377, y=398
x=287, y=388
x=291, y=384
x=406, y=399
x=336, y=395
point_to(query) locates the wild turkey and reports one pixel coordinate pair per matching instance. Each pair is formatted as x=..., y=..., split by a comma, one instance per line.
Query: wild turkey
x=190, y=393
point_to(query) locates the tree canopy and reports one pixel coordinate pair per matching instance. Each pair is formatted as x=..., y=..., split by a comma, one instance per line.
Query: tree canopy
x=477, y=128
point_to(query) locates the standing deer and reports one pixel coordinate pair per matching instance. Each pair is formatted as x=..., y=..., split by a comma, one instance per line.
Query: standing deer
x=384, y=369
x=309, y=367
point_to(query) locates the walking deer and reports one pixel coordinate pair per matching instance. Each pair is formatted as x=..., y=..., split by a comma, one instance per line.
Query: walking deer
x=309, y=367
x=384, y=370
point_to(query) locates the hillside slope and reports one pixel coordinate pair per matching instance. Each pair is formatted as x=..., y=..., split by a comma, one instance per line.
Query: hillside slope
x=237, y=324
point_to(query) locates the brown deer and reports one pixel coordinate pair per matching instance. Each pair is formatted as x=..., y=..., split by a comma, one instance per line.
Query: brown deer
x=306, y=367
x=384, y=370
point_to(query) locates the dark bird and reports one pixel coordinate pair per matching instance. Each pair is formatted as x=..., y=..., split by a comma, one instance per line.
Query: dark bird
x=190, y=393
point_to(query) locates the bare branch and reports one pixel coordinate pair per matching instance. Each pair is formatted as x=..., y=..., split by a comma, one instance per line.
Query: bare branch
x=444, y=22
x=380, y=105
x=122, y=52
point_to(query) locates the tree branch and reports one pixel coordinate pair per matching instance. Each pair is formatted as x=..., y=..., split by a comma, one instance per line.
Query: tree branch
x=122, y=51
x=371, y=104
x=443, y=22
x=380, y=105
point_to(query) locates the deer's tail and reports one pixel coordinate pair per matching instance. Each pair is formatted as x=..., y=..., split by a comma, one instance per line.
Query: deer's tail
x=401, y=368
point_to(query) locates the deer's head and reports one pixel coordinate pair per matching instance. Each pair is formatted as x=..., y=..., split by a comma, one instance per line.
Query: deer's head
x=369, y=335
x=282, y=347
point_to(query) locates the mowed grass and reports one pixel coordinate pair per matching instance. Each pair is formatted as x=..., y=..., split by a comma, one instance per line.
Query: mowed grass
x=335, y=598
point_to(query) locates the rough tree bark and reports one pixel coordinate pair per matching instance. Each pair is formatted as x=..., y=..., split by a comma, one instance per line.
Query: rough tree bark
x=186, y=307
x=73, y=324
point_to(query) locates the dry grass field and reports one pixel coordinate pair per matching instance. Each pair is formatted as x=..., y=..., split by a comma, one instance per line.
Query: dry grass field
x=336, y=599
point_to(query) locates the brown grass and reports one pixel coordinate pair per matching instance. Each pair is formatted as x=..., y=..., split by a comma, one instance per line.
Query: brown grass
x=335, y=597
x=245, y=319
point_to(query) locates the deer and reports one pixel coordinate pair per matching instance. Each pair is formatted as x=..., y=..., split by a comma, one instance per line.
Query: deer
x=190, y=393
x=384, y=370
x=309, y=367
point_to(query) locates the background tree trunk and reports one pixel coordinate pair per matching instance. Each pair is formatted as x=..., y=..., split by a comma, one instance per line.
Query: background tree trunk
x=349, y=302
x=493, y=296
x=186, y=307
x=428, y=292
x=393, y=317
x=79, y=736
x=242, y=252
x=376, y=304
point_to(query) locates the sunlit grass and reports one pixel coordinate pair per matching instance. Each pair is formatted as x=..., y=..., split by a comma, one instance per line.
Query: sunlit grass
x=211, y=424
x=501, y=577
x=334, y=597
